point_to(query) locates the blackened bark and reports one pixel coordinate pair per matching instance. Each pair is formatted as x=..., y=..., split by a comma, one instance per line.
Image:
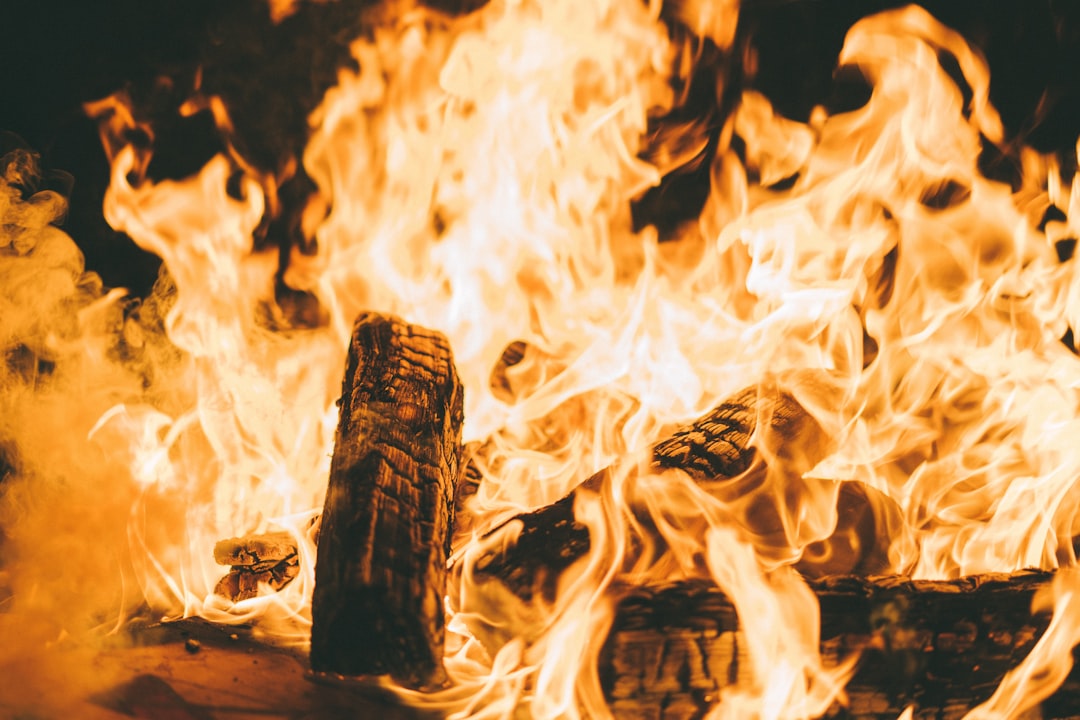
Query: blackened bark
x=385, y=537
x=716, y=447
x=941, y=646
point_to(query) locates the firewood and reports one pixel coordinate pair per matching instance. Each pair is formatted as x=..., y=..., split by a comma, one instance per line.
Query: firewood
x=256, y=552
x=243, y=582
x=380, y=575
x=715, y=448
x=941, y=646
x=269, y=560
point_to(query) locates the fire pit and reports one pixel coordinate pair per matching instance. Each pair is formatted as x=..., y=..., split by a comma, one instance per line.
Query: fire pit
x=553, y=359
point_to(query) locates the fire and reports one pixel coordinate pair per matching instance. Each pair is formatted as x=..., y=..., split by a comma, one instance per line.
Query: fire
x=475, y=175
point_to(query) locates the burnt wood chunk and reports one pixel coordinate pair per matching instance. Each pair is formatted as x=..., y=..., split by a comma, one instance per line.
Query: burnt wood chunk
x=242, y=582
x=940, y=646
x=715, y=448
x=255, y=551
x=380, y=575
x=550, y=540
x=270, y=559
x=718, y=444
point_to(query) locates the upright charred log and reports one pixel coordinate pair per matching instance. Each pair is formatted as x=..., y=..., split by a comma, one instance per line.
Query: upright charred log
x=381, y=571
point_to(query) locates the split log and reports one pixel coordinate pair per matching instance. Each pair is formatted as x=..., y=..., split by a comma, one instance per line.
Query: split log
x=270, y=560
x=380, y=575
x=940, y=646
x=716, y=447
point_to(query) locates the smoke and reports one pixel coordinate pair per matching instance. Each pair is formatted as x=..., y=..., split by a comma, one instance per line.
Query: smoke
x=65, y=358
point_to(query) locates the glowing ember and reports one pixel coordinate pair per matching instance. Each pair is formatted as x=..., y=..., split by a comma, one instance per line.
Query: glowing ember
x=475, y=176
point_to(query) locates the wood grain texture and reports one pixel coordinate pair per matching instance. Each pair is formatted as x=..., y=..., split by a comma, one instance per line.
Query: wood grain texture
x=268, y=560
x=255, y=551
x=381, y=571
x=244, y=582
x=941, y=646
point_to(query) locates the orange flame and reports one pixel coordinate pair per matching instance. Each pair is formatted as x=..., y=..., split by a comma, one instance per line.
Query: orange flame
x=1048, y=664
x=475, y=175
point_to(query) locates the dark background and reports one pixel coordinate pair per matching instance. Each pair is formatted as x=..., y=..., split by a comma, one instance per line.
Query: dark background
x=57, y=54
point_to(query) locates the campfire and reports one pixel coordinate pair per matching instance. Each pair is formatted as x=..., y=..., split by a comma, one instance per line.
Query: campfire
x=559, y=374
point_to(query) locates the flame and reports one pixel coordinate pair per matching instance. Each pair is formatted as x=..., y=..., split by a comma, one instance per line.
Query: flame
x=1048, y=664
x=476, y=176
x=789, y=677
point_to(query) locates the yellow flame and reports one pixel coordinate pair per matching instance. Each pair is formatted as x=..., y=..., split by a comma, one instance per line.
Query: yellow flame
x=789, y=679
x=475, y=175
x=1048, y=664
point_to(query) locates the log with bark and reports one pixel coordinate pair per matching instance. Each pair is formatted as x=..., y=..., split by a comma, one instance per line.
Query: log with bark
x=380, y=574
x=939, y=646
x=716, y=449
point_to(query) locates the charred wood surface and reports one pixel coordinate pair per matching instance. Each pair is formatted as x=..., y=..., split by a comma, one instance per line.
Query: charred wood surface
x=941, y=646
x=715, y=447
x=384, y=541
x=242, y=583
x=269, y=560
x=551, y=539
x=255, y=551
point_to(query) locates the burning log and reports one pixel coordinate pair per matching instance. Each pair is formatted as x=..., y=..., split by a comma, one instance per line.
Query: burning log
x=940, y=646
x=385, y=535
x=269, y=559
x=716, y=447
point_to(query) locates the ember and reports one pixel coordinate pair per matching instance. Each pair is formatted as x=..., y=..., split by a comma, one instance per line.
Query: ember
x=798, y=441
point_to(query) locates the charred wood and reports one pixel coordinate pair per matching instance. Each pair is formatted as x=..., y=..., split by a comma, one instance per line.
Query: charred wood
x=385, y=534
x=256, y=560
x=255, y=551
x=242, y=583
x=715, y=448
x=939, y=646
